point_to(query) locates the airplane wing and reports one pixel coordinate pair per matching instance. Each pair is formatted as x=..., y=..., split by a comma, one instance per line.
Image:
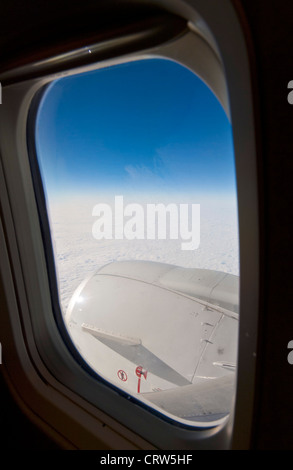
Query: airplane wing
x=205, y=402
x=134, y=351
x=161, y=332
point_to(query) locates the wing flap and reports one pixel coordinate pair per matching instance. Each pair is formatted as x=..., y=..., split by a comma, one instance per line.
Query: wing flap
x=205, y=401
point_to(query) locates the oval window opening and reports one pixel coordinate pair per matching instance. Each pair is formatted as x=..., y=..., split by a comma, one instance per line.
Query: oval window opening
x=137, y=164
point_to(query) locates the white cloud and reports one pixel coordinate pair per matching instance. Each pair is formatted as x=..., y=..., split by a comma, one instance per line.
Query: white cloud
x=78, y=254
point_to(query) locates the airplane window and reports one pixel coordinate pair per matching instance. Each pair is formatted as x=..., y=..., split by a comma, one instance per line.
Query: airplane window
x=138, y=170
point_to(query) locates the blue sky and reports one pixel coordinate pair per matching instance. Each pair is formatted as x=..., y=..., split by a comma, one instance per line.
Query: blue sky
x=146, y=126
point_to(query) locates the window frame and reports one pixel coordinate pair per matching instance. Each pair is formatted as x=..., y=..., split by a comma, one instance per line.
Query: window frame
x=51, y=389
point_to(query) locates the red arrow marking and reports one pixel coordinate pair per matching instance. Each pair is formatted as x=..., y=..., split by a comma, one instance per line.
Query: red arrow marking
x=139, y=372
